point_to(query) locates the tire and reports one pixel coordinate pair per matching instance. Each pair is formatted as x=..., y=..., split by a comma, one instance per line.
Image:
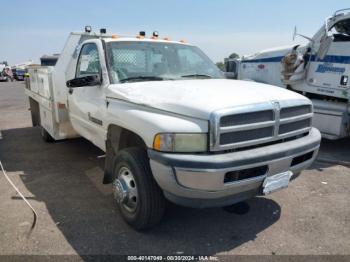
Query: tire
x=145, y=204
x=46, y=136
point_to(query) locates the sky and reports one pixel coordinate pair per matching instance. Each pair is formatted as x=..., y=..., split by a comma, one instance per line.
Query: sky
x=31, y=29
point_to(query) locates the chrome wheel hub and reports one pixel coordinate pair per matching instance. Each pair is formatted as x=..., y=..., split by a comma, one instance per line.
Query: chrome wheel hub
x=124, y=189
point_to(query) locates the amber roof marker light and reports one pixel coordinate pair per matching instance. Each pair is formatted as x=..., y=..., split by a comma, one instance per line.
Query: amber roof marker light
x=141, y=35
x=155, y=35
x=88, y=29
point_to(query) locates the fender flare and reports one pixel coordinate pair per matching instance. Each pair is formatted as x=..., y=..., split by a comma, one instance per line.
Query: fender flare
x=117, y=139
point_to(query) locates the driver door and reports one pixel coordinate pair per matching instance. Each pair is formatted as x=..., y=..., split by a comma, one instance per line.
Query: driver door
x=86, y=103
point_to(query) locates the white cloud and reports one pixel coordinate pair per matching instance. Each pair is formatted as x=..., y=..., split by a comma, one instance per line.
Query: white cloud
x=22, y=45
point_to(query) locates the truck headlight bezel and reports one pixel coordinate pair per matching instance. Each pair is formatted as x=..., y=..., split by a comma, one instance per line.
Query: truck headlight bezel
x=181, y=142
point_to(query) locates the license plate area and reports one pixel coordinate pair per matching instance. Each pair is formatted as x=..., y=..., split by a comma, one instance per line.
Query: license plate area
x=276, y=182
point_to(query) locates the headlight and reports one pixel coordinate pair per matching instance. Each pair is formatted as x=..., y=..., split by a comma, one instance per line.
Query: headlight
x=180, y=142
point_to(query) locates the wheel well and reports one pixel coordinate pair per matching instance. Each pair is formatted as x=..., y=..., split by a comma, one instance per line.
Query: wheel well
x=34, y=111
x=118, y=138
x=121, y=138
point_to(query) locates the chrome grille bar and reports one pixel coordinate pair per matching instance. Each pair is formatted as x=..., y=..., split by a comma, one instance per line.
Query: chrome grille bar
x=295, y=118
x=246, y=127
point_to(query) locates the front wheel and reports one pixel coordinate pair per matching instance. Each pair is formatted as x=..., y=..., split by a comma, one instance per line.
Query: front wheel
x=138, y=196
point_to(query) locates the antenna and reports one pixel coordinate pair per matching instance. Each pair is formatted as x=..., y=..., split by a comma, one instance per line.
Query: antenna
x=88, y=29
x=295, y=33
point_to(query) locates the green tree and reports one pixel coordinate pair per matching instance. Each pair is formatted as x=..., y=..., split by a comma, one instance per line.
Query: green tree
x=221, y=66
x=233, y=56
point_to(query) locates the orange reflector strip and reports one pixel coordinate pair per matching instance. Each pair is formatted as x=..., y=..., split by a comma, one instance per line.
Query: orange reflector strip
x=154, y=37
x=166, y=38
x=61, y=105
x=114, y=36
x=182, y=41
x=139, y=37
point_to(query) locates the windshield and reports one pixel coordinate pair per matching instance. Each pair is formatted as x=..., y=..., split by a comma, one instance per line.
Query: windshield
x=152, y=61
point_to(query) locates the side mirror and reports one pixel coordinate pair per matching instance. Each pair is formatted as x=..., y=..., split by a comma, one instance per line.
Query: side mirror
x=92, y=80
x=230, y=75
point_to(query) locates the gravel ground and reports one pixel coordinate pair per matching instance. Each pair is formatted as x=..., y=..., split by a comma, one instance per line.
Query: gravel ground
x=77, y=215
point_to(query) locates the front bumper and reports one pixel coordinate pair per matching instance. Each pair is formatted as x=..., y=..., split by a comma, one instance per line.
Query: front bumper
x=198, y=180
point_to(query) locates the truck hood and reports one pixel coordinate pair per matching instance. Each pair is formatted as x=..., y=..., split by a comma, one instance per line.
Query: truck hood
x=199, y=98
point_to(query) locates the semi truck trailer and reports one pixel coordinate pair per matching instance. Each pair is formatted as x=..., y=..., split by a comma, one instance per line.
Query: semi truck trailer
x=319, y=70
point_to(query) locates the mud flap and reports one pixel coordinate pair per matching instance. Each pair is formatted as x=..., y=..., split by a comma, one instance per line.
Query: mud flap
x=112, y=146
x=108, y=172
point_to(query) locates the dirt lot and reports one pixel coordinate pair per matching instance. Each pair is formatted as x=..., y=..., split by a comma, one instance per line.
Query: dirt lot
x=77, y=215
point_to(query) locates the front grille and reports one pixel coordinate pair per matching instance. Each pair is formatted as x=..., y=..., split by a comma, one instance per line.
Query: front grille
x=270, y=143
x=295, y=111
x=259, y=124
x=245, y=135
x=290, y=127
x=246, y=118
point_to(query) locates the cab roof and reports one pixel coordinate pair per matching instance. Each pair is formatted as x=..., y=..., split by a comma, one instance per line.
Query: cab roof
x=119, y=38
x=143, y=39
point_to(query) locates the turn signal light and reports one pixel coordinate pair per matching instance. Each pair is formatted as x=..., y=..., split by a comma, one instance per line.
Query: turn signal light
x=156, y=142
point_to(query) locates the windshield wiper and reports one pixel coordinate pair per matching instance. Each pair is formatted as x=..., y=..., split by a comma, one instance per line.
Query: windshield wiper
x=135, y=78
x=197, y=75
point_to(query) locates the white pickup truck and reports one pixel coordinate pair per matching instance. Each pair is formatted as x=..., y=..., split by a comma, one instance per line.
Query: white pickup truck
x=170, y=123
